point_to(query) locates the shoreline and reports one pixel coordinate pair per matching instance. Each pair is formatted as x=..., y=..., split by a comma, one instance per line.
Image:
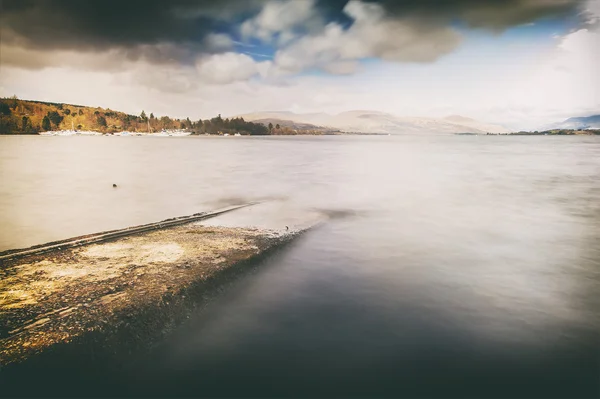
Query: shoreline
x=69, y=133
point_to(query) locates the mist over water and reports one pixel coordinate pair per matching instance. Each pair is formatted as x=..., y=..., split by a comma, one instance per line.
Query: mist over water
x=445, y=266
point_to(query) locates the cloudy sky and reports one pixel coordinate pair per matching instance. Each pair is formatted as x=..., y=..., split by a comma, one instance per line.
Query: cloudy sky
x=521, y=63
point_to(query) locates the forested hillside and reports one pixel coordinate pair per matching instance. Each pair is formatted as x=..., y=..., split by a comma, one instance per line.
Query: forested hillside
x=31, y=117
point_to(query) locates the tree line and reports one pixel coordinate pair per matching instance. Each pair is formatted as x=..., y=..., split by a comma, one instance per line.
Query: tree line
x=31, y=117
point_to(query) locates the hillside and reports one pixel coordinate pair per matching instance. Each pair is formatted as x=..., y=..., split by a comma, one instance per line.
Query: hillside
x=362, y=121
x=32, y=117
x=582, y=122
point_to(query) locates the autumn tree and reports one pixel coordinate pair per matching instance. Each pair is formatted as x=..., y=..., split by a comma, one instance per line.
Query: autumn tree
x=125, y=122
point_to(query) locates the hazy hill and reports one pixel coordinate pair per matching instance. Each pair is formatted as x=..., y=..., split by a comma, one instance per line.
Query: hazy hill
x=582, y=122
x=364, y=121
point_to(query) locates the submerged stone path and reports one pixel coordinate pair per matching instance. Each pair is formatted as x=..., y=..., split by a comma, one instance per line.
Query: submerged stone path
x=136, y=280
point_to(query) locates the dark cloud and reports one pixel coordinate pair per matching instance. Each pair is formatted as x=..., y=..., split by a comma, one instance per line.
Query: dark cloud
x=128, y=23
x=77, y=24
x=492, y=14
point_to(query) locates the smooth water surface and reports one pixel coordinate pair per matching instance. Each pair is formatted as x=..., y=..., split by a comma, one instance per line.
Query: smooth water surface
x=448, y=265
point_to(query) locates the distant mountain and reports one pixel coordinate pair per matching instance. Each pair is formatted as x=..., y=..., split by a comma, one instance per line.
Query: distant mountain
x=582, y=122
x=364, y=121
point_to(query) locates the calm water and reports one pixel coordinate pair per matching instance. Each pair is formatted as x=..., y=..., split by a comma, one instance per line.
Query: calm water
x=450, y=266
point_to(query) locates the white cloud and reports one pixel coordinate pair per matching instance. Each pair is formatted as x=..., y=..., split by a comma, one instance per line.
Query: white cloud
x=370, y=35
x=342, y=67
x=279, y=17
x=286, y=37
x=566, y=81
x=164, y=79
x=218, y=42
x=216, y=69
x=167, y=75
x=229, y=67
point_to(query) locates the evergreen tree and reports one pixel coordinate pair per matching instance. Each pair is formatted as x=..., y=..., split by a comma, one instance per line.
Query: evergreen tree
x=25, y=124
x=270, y=126
x=4, y=108
x=55, y=118
x=46, y=123
x=14, y=101
x=143, y=115
x=166, y=122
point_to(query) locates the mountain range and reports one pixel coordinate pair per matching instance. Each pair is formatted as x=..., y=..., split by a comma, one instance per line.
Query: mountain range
x=581, y=122
x=364, y=121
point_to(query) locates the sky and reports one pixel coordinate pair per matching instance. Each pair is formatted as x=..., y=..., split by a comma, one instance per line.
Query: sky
x=519, y=63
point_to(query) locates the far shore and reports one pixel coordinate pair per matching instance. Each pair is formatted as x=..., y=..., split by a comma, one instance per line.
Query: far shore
x=185, y=133
x=554, y=132
x=182, y=133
